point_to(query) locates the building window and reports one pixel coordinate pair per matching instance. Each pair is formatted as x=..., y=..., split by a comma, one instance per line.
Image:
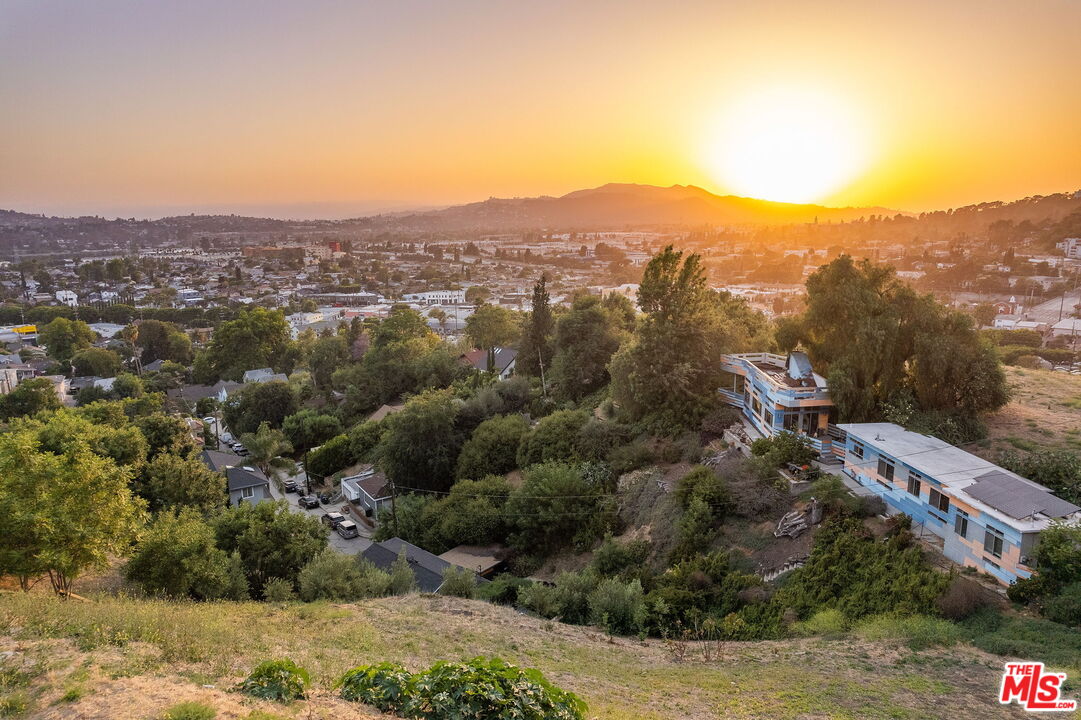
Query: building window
x=769, y=418
x=960, y=523
x=247, y=492
x=857, y=450
x=992, y=542
x=939, y=501
x=914, y=484
x=885, y=469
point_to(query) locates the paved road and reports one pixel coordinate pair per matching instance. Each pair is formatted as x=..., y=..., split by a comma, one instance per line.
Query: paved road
x=351, y=546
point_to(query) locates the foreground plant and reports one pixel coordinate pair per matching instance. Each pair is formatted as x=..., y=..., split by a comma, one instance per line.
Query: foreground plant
x=280, y=680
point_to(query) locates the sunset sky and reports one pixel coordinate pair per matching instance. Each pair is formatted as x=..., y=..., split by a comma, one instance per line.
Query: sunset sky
x=334, y=108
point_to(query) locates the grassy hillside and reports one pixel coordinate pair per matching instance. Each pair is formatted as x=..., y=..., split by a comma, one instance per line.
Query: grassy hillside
x=122, y=658
x=1045, y=412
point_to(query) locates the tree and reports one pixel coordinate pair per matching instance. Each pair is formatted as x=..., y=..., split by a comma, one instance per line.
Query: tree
x=176, y=482
x=63, y=338
x=666, y=378
x=555, y=438
x=97, y=362
x=492, y=448
x=881, y=344
x=158, y=340
x=266, y=445
x=256, y=403
x=127, y=385
x=177, y=557
x=402, y=579
x=29, y=397
x=309, y=428
x=61, y=513
x=165, y=434
x=492, y=326
x=256, y=338
x=327, y=355
x=420, y=444
x=558, y=505
x=535, y=350
x=271, y=539
x=586, y=339
x=477, y=294
x=331, y=576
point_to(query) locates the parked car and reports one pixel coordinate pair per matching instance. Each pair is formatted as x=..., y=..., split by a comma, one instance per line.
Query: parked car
x=332, y=519
x=210, y=421
x=308, y=501
x=290, y=486
x=348, y=529
x=242, y=451
x=324, y=498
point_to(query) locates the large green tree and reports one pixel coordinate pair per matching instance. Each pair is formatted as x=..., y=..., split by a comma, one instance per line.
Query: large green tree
x=29, y=398
x=63, y=338
x=586, y=338
x=95, y=362
x=492, y=326
x=492, y=448
x=177, y=557
x=535, y=349
x=256, y=338
x=178, y=482
x=256, y=403
x=667, y=377
x=420, y=444
x=158, y=340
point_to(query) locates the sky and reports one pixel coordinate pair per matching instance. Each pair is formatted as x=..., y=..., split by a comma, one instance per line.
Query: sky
x=320, y=108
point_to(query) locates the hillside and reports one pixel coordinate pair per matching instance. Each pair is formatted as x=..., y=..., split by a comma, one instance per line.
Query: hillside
x=628, y=205
x=106, y=657
x=1043, y=413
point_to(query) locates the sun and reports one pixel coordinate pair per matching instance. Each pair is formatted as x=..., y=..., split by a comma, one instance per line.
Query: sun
x=788, y=144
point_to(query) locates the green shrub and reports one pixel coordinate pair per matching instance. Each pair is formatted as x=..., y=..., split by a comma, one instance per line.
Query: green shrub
x=386, y=686
x=962, y=598
x=618, y=607
x=1065, y=607
x=628, y=458
x=330, y=576
x=190, y=711
x=917, y=631
x=503, y=589
x=614, y=557
x=701, y=482
x=280, y=680
x=1021, y=637
x=279, y=590
x=458, y=582
x=553, y=439
x=14, y=704
x=828, y=622
x=540, y=599
x=492, y=688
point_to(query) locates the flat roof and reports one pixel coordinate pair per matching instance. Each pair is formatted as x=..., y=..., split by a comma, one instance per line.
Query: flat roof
x=955, y=469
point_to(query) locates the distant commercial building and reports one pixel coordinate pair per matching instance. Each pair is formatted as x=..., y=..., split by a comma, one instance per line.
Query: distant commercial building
x=986, y=517
x=437, y=297
x=1071, y=248
x=274, y=253
x=778, y=393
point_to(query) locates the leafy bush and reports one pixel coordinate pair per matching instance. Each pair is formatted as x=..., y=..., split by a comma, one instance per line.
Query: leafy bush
x=1065, y=607
x=614, y=557
x=492, y=688
x=504, y=589
x=630, y=457
x=280, y=680
x=330, y=457
x=618, y=607
x=1021, y=637
x=386, y=686
x=279, y=590
x=330, y=576
x=540, y=599
x=458, y=582
x=190, y=711
x=553, y=439
x=701, y=482
x=492, y=448
x=827, y=622
x=962, y=598
x=917, y=631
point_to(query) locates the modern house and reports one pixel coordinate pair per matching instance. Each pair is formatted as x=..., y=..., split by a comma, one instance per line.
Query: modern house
x=985, y=516
x=779, y=393
x=368, y=489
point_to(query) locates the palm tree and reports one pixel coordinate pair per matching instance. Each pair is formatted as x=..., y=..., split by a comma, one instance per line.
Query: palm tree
x=266, y=446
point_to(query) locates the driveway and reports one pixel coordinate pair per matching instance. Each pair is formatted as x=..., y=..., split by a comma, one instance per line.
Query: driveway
x=349, y=547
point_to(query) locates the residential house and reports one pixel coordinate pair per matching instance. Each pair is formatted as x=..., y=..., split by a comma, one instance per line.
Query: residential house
x=1067, y=328
x=484, y=560
x=427, y=568
x=368, y=489
x=67, y=297
x=984, y=516
x=500, y=361
x=257, y=375
x=194, y=393
x=244, y=483
x=779, y=393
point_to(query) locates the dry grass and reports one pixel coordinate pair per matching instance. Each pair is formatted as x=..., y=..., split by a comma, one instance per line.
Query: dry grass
x=134, y=659
x=1045, y=412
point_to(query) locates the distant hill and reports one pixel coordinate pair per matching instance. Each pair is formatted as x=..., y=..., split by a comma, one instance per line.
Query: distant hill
x=628, y=205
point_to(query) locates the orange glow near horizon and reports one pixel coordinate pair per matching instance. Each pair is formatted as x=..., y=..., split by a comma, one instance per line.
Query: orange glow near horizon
x=335, y=108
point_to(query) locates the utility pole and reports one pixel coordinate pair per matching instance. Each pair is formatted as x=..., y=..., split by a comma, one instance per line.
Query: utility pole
x=394, y=505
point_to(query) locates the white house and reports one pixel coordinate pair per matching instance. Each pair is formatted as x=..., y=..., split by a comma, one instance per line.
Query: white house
x=437, y=297
x=67, y=297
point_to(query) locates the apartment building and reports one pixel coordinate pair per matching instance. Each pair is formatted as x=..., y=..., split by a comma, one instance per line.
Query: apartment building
x=779, y=393
x=983, y=516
